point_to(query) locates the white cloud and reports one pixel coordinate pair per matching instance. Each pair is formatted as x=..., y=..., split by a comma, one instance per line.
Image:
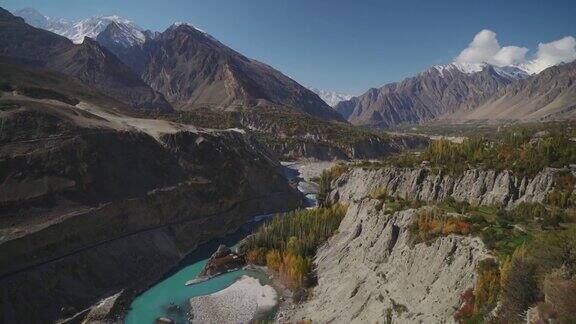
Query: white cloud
x=553, y=53
x=485, y=48
x=510, y=55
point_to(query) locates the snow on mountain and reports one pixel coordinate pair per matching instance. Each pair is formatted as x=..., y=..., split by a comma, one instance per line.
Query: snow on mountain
x=36, y=19
x=90, y=27
x=93, y=26
x=332, y=98
x=512, y=72
x=125, y=35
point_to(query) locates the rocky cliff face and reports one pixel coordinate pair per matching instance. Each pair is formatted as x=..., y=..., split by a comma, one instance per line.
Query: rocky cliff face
x=94, y=202
x=474, y=186
x=299, y=136
x=369, y=271
x=372, y=147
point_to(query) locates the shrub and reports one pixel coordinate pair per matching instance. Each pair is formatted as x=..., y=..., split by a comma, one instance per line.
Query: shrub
x=432, y=222
x=325, y=183
x=273, y=259
x=466, y=310
x=559, y=291
x=487, y=286
x=519, y=287
x=256, y=256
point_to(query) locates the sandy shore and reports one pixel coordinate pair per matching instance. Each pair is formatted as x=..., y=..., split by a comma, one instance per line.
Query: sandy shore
x=240, y=303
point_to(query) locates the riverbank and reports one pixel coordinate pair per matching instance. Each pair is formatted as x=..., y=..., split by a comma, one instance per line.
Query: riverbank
x=242, y=302
x=161, y=299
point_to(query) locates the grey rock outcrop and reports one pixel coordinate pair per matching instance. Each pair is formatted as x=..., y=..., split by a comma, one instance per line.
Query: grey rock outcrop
x=370, y=268
x=474, y=186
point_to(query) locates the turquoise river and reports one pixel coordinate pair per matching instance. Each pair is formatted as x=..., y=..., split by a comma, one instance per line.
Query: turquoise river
x=169, y=297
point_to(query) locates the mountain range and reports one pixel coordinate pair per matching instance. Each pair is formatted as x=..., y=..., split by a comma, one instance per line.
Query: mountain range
x=190, y=68
x=89, y=62
x=77, y=30
x=331, y=97
x=466, y=92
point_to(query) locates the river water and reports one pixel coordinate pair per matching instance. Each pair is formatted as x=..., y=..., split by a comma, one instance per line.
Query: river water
x=169, y=297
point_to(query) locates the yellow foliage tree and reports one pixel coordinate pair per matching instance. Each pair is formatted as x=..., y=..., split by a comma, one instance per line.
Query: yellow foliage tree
x=273, y=259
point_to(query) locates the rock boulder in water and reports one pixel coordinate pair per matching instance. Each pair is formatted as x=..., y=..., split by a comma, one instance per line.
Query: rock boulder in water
x=223, y=260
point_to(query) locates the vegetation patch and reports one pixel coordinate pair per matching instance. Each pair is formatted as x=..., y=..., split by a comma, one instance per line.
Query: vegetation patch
x=325, y=183
x=391, y=203
x=287, y=243
x=521, y=150
x=434, y=222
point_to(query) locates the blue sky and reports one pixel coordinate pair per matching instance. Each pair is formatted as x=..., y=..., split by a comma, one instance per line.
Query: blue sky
x=347, y=46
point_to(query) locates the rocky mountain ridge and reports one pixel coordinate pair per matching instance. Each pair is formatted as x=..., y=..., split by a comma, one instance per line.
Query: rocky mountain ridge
x=549, y=95
x=460, y=93
x=332, y=98
x=90, y=62
x=76, y=31
x=432, y=93
x=194, y=70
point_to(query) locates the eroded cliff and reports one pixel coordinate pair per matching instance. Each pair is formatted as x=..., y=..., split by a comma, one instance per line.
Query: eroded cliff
x=369, y=271
x=482, y=187
x=94, y=202
x=373, y=269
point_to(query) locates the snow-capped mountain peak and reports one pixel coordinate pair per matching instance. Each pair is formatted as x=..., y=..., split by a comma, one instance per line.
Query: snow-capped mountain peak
x=462, y=67
x=511, y=72
x=90, y=27
x=124, y=34
x=332, y=98
x=93, y=26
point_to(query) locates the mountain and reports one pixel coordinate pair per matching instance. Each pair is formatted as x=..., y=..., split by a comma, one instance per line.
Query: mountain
x=549, y=95
x=331, y=97
x=36, y=19
x=439, y=90
x=89, y=62
x=78, y=30
x=188, y=66
x=126, y=43
x=193, y=70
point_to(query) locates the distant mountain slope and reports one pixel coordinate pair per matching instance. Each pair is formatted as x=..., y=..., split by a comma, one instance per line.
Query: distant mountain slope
x=549, y=95
x=192, y=69
x=89, y=62
x=435, y=92
x=332, y=98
